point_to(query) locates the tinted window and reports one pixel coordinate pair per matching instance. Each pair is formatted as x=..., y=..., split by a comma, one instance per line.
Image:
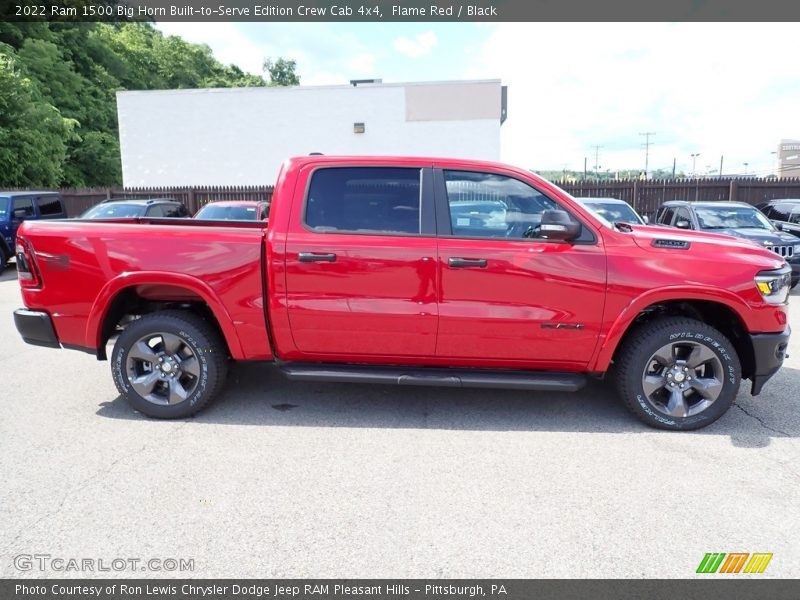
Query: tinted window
x=665, y=215
x=364, y=199
x=25, y=204
x=490, y=205
x=795, y=216
x=3, y=206
x=780, y=212
x=157, y=210
x=174, y=210
x=49, y=206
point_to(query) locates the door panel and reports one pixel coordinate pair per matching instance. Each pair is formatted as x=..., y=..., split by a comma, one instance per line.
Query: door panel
x=516, y=298
x=350, y=290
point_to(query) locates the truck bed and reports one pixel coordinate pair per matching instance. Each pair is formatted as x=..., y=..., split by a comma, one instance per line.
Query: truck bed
x=86, y=263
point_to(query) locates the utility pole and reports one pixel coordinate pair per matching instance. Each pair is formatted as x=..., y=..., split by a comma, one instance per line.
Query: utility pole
x=596, y=159
x=584, y=168
x=745, y=168
x=673, y=167
x=720, y=166
x=646, y=145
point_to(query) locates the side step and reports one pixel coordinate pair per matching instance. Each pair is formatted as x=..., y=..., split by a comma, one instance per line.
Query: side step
x=477, y=378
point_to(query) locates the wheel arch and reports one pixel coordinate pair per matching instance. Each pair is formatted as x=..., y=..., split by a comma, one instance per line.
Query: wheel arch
x=725, y=312
x=141, y=292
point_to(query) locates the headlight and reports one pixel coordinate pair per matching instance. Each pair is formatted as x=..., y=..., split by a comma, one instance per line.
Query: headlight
x=774, y=285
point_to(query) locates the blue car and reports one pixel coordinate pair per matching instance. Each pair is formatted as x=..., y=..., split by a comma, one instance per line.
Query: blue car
x=16, y=207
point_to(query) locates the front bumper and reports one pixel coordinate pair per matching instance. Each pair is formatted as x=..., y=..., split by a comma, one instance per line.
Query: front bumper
x=769, y=350
x=36, y=328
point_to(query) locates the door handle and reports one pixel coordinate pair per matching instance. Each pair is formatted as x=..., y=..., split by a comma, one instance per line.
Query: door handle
x=467, y=262
x=316, y=257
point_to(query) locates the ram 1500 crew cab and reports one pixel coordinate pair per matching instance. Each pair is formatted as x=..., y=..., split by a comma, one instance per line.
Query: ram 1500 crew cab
x=412, y=271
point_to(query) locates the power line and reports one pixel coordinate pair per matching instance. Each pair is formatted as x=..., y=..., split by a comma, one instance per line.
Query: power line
x=646, y=145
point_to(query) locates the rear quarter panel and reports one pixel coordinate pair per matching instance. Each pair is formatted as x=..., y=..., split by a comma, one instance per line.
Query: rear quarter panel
x=84, y=265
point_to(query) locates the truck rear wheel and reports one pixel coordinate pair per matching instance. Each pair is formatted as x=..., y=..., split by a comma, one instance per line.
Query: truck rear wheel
x=169, y=364
x=677, y=373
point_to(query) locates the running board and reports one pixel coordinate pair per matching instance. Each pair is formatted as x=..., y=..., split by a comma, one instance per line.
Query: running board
x=478, y=378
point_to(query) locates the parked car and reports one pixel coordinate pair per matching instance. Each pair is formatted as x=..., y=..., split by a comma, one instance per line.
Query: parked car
x=613, y=210
x=362, y=275
x=736, y=219
x=16, y=207
x=116, y=208
x=784, y=214
x=234, y=210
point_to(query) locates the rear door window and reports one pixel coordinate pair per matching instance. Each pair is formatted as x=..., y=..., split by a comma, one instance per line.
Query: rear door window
x=174, y=210
x=50, y=206
x=383, y=200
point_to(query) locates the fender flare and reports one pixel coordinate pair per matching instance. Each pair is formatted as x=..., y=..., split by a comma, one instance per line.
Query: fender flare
x=125, y=281
x=620, y=326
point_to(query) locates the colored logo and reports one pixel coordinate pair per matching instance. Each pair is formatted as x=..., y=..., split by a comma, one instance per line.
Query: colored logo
x=734, y=562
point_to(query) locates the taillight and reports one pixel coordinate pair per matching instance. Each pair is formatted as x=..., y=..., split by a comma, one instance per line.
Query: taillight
x=26, y=267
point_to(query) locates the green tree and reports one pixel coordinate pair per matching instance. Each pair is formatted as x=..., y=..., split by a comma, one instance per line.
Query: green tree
x=58, y=84
x=281, y=72
x=33, y=133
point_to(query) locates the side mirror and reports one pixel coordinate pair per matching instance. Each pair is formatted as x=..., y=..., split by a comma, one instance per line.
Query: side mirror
x=20, y=213
x=646, y=220
x=557, y=225
x=683, y=224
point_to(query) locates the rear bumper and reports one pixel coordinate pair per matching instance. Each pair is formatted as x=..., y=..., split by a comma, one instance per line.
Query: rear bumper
x=36, y=328
x=769, y=350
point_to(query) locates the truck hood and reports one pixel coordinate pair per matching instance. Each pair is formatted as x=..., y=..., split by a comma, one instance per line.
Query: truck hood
x=669, y=239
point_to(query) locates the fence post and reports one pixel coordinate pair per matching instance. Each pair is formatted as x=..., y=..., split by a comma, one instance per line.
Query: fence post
x=192, y=206
x=733, y=190
x=635, y=193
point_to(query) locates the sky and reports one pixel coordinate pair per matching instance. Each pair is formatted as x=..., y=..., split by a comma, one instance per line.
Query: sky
x=727, y=91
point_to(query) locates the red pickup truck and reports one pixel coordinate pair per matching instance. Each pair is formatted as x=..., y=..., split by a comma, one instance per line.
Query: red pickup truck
x=412, y=271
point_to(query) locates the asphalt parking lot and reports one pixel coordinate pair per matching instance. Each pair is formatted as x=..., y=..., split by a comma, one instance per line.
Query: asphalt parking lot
x=282, y=479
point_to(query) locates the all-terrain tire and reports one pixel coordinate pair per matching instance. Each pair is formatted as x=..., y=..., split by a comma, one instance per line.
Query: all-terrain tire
x=169, y=364
x=667, y=350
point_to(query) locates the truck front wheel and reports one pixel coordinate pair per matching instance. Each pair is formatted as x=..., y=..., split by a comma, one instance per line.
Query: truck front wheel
x=169, y=364
x=677, y=373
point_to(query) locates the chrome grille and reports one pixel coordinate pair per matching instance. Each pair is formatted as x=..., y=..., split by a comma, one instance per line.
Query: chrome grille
x=784, y=251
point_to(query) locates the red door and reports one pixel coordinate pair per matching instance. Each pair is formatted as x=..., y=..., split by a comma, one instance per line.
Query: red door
x=507, y=298
x=361, y=264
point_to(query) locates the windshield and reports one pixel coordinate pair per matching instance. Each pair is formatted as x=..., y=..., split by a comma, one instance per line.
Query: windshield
x=113, y=210
x=615, y=213
x=3, y=206
x=735, y=217
x=228, y=213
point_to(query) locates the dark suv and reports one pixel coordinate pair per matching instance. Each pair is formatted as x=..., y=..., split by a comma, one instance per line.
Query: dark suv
x=736, y=219
x=784, y=213
x=116, y=208
x=16, y=207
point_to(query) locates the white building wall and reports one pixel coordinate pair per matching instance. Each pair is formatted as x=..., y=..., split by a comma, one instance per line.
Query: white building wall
x=241, y=136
